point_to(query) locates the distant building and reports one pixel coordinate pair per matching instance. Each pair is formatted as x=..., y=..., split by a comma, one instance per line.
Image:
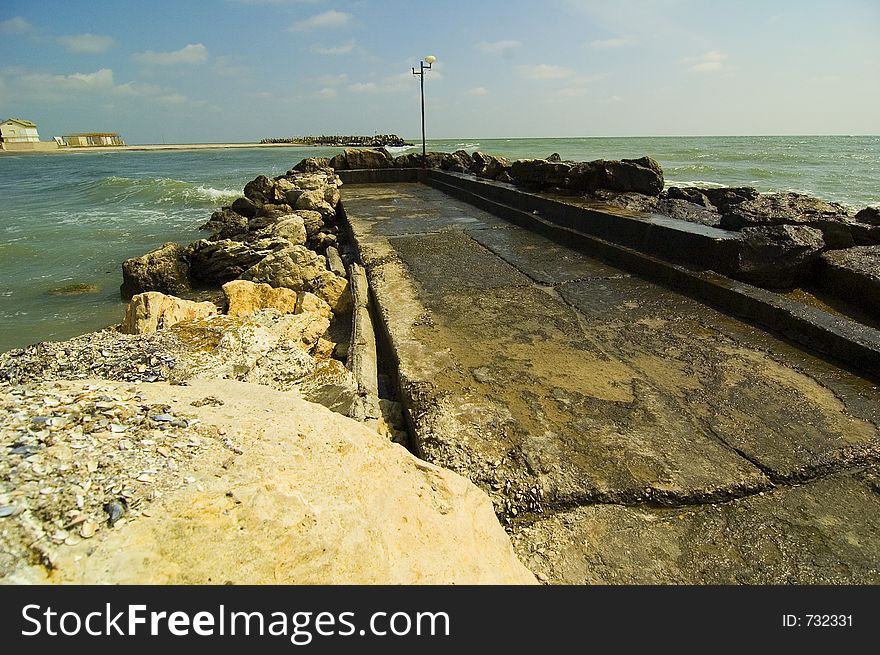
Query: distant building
x=92, y=139
x=17, y=130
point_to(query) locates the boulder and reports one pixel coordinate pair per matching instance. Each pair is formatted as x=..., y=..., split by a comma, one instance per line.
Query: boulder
x=869, y=215
x=165, y=269
x=334, y=290
x=642, y=175
x=309, y=303
x=294, y=267
x=226, y=224
x=692, y=195
x=726, y=197
x=291, y=228
x=778, y=256
x=314, y=201
x=853, y=275
x=554, y=157
x=540, y=173
x=245, y=207
x=368, y=158
x=311, y=165
x=217, y=262
x=457, y=162
x=634, y=202
x=864, y=234
x=489, y=166
x=685, y=210
x=791, y=208
x=318, y=499
x=313, y=222
x=260, y=190
x=408, y=160
x=339, y=162
x=245, y=297
x=331, y=385
x=151, y=311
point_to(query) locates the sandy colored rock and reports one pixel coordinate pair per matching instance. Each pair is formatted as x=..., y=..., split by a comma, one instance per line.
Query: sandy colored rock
x=247, y=297
x=311, y=304
x=334, y=291
x=313, y=498
x=313, y=200
x=293, y=267
x=151, y=311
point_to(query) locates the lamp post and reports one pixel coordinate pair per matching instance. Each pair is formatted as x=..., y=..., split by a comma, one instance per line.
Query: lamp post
x=424, y=66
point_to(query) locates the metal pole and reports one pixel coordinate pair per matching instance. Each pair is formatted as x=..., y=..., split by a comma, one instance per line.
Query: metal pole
x=422, y=84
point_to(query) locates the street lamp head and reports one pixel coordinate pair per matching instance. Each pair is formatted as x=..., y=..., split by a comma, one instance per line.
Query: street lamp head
x=430, y=59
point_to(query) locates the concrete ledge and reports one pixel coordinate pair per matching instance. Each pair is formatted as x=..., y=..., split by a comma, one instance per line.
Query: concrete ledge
x=645, y=246
x=379, y=175
x=362, y=359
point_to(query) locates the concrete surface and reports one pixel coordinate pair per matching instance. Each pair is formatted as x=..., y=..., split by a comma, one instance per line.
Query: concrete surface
x=593, y=406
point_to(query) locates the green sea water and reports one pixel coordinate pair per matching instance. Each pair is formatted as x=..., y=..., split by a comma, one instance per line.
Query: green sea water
x=68, y=221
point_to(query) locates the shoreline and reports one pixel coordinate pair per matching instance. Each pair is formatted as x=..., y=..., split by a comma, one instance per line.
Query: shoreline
x=155, y=146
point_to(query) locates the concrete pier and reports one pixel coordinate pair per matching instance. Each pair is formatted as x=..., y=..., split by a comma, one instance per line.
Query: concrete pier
x=626, y=432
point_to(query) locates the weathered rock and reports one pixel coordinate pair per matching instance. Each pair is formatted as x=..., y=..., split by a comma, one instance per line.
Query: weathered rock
x=778, y=256
x=227, y=224
x=245, y=297
x=217, y=262
x=151, y=311
x=309, y=303
x=554, y=157
x=294, y=267
x=356, y=158
x=290, y=227
x=642, y=175
x=853, y=275
x=273, y=212
x=245, y=207
x=333, y=290
x=489, y=166
x=334, y=261
x=692, y=195
x=408, y=160
x=726, y=197
x=331, y=385
x=504, y=176
x=864, y=234
x=685, y=210
x=540, y=173
x=313, y=222
x=332, y=196
x=294, y=509
x=260, y=190
x=457, y=162
x=831, y=219
x=339, y=162
x=165, y=269
x=635, y=202
x=311, y=165
x=869, y=215
x=314, y=201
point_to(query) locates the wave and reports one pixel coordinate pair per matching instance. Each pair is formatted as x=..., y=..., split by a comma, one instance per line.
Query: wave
x=155, y=190
x=394, y=150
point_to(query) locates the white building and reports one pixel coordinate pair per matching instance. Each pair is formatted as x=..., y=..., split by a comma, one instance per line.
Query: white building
x=16, y=130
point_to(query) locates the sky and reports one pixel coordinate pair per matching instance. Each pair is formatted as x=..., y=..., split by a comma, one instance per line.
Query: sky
x=207, y=71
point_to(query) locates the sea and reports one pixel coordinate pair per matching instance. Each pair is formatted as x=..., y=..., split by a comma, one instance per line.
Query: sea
x=69, y=220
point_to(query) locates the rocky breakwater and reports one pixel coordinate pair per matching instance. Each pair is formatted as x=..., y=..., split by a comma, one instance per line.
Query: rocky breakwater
x=785, y=239
x=182, y=446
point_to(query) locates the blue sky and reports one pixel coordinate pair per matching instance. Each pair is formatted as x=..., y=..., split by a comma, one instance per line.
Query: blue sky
x=241, y=70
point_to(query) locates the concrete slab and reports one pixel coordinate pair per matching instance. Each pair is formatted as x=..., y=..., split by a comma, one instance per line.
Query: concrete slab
x=827, y=532
x=571, y=384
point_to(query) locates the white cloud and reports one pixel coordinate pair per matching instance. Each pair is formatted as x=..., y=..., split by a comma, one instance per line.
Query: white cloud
x=710, y=62
x=477, y=91
x=15, y=25
x=333, y=80
x=327, y=92
x=194, y=53
x=230, y=66
x=573, y=92
x=544, y=72
x=619, y=42
x=364, y=87
x=499, y=48
x=342, y=49
x=86, y=43
x=328, y=19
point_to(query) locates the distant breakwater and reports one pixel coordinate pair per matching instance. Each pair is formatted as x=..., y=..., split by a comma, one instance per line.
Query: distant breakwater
x=336, y=140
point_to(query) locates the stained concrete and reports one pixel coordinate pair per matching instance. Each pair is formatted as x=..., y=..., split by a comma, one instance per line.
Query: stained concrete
x=585, y=399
